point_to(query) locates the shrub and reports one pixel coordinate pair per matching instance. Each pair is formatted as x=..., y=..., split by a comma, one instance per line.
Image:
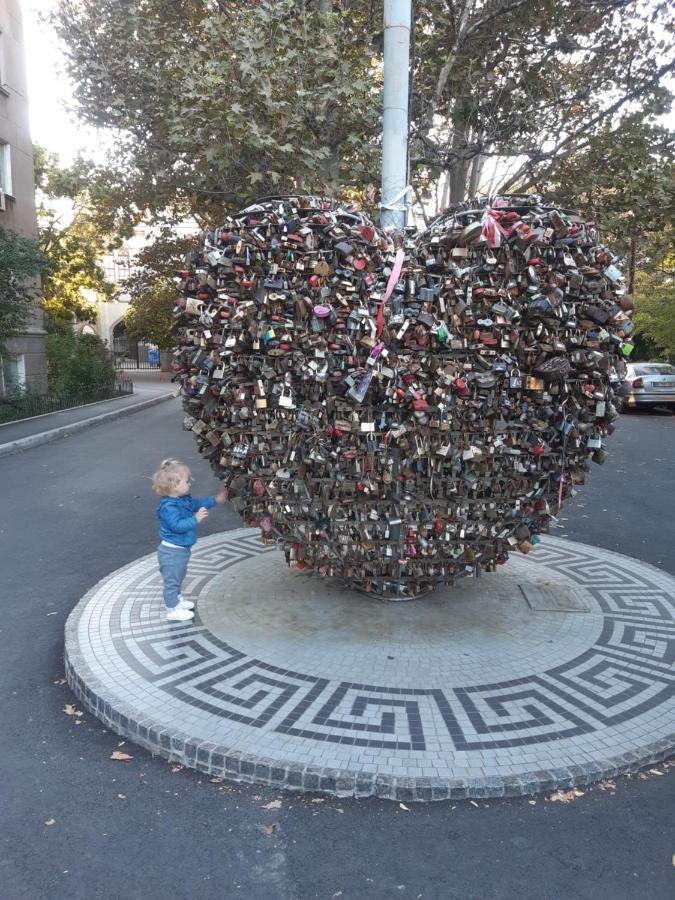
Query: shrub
x=78, y=363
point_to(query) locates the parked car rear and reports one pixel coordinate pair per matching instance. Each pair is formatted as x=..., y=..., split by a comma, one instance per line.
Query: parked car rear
x=648, y=384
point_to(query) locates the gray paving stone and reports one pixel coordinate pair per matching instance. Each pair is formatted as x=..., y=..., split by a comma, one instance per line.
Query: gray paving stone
x=484, y=697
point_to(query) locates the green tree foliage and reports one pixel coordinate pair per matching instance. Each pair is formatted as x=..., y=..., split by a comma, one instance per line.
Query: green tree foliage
x=628, y=185
x=655, y=293
x=21, y=262
x=215, y=102
x=71, y=242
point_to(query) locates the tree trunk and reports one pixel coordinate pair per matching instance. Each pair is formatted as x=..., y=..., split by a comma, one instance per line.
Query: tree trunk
x=632, y=263
x=445, y=197
x=330, y=170
x=476, y=172
x=459, y=168
x=330, y=166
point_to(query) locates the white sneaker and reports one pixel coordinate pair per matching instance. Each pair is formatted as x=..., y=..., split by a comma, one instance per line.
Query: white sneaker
x=185, y=604
x=179, y=615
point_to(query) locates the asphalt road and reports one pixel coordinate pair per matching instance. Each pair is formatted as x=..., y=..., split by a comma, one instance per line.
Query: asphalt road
x=76, y=824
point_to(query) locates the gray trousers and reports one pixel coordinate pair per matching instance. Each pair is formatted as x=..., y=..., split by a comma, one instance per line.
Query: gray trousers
x=173, y=563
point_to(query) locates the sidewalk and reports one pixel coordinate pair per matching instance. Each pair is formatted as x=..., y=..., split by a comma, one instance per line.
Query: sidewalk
x=26, y=433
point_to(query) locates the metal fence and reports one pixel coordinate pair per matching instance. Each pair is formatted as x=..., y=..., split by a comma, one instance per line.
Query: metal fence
x=135, y=354
x=24, y=406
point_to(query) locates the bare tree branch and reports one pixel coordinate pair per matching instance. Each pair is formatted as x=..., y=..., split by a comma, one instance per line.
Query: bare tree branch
x=615, y=107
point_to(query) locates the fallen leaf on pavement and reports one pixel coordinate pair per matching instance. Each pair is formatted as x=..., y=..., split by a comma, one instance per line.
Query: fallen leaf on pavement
x=607, y=786
x=50, y=822
x=216, y=780
x=403, y=806
x=175, y=769
x=274, y=804
x=60, y=681
x=70, y=710
x=317, y=800
x=117, y=754
x=532, y=802
x=566, y=796
x=121, y=796
x=269, y=829
x=473, y=803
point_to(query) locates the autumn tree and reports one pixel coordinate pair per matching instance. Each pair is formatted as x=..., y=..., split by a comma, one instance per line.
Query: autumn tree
x=531, y=82
x=71, y=241
x=213, y=102
x=628, y=186
x=20, y=264
x=151, y=287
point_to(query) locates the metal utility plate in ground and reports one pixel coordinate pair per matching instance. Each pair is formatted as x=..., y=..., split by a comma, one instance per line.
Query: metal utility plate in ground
x=549, y=596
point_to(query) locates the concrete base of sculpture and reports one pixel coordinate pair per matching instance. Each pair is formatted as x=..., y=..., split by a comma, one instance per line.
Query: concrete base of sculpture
x=551, y=672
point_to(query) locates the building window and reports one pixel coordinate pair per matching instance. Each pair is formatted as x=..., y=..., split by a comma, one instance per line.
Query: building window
x=6, y=169
x=117, y=267
x=13, y=373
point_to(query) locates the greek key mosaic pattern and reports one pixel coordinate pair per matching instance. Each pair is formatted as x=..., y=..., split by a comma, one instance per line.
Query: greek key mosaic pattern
x=625, y=675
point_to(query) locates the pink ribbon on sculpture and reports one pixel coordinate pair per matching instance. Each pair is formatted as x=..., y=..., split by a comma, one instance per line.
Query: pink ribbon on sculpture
x=391, y=284
x=493, y=231
x=561, y=487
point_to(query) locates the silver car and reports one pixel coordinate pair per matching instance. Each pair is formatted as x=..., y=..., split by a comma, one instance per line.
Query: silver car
x=648, y=384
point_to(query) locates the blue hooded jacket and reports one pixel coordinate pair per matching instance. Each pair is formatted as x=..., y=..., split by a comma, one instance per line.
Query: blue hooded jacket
x=177, y=523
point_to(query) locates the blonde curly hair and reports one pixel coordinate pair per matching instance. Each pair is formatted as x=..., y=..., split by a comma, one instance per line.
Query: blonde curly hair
x=166, y=478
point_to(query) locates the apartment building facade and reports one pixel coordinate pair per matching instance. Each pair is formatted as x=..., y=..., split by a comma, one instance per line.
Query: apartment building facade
x=25, y=365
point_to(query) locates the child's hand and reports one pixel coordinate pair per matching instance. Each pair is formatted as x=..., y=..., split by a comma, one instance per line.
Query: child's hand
x=201, y=513
x=221, y=497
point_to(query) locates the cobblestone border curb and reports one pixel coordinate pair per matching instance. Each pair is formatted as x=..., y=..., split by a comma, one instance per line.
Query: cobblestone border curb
x=226, y=762
x=53, y=434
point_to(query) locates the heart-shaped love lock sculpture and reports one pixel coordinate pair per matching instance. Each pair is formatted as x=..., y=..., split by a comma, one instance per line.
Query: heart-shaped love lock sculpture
x=400, y=412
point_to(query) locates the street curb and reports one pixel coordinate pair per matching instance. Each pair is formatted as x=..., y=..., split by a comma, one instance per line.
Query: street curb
x=46, y=437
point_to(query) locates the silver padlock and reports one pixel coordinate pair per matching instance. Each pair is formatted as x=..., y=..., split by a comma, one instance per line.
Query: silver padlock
x=286, y=398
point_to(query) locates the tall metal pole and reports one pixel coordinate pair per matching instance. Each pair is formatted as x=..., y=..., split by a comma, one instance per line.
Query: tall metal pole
x=397, y=19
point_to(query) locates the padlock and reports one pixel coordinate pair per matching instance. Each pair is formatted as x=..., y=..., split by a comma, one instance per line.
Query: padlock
x=533, y=383
x=515, y=379
x=286, y=398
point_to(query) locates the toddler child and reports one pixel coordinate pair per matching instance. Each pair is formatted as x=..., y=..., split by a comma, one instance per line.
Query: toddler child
x=178, y=513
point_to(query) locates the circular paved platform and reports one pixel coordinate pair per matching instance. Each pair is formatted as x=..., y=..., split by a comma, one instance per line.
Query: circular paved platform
x=557, y=670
